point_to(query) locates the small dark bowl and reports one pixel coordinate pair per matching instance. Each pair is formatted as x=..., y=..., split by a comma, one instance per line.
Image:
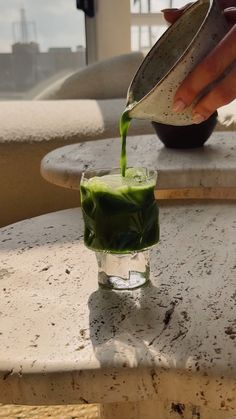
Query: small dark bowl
x=189, y=136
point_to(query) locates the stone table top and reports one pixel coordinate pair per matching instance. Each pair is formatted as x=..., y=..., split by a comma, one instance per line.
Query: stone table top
x=63, y=340
x=213, y=165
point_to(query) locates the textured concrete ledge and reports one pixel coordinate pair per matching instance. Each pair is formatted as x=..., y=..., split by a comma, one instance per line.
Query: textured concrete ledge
x=72, y=121
x=212, y=166
x=67, y=121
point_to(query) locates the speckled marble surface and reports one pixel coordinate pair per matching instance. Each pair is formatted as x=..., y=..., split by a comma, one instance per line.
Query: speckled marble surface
x=64, y=341
x=213, y=165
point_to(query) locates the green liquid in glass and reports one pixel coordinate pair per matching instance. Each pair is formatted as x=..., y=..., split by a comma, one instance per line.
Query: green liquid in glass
x=119, y=210
x=120, y=213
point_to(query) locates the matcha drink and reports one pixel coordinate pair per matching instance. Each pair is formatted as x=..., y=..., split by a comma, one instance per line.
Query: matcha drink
x=121, y=220
x=120, y=212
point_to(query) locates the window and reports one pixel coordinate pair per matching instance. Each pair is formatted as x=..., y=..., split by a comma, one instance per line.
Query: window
x=154, y=6
x=44, y=40
x=149, y=6
x=147, y=22
x=40, y=42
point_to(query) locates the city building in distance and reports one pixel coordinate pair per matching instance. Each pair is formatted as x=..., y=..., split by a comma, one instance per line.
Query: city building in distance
x=26, y=66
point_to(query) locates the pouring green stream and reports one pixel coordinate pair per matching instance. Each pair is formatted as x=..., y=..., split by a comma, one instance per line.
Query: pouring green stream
x=124, y=126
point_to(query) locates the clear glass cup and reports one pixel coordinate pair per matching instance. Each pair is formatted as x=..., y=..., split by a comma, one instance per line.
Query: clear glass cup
x=121, y=224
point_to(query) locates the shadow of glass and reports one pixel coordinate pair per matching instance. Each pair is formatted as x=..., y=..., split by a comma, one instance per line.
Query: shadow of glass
x=131, y=328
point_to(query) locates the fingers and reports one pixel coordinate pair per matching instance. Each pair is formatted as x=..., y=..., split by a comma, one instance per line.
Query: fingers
x=224, y=4
x=211, y=69
x=171, y=15
x=208, y=71
x=230, y=13
x=223, y=93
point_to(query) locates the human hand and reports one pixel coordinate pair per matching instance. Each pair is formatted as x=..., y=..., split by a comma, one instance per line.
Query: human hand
x=219, y=66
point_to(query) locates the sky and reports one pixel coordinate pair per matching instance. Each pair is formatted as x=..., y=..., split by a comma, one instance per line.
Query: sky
x=58, y=22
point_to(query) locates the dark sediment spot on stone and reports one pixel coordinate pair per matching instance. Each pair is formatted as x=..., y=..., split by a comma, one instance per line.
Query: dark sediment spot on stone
x=185, y=315
x=83, y=400
x=82, y=333
x=45, y=269
x=230, y=332
x=178, y=408
x=168, y=315
x=80, y=348
x=7, y=373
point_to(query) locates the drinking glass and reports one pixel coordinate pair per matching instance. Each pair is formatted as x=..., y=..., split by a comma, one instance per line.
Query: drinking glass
x=120, y=224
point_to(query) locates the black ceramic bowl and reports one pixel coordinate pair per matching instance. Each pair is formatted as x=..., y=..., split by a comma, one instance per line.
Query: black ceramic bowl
x=189, y=136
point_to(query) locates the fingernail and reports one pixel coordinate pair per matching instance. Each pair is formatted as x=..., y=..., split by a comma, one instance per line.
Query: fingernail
x=179, y=105
x=230, y=9
x=197, y=118
x=168, y=10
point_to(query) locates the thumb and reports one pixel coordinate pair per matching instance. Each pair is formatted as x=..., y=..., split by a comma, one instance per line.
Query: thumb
x=230, y=13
